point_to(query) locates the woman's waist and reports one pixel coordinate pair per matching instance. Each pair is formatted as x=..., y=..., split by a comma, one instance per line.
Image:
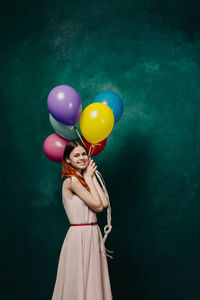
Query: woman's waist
x=84, y=224
x=81, y=219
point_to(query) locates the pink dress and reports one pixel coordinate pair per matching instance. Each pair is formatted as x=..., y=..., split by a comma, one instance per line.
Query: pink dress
x=82, y=272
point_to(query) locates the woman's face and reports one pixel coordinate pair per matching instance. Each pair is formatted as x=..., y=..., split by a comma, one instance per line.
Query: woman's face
x=78, y=158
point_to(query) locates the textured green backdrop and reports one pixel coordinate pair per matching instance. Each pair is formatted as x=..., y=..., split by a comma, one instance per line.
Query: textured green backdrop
x=148, y=52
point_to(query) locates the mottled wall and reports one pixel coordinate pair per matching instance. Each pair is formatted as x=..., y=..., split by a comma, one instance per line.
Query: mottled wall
x=147, y=52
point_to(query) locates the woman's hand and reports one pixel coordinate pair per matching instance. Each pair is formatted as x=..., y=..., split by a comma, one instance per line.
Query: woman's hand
x=90, y=169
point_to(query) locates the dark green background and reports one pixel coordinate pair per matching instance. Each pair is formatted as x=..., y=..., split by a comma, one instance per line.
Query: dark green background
x=147, y=52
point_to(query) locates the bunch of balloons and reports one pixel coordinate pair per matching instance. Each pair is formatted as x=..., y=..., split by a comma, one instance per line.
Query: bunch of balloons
x=67, y=119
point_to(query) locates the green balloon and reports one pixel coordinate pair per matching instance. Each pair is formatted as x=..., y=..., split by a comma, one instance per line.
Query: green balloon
x=65, y=131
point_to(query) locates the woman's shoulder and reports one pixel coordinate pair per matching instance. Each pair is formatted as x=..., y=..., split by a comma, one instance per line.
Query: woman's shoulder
x=68, y=181
x=67, y=190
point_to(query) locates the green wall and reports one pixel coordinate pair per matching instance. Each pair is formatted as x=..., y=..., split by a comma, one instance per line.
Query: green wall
x=147, y=52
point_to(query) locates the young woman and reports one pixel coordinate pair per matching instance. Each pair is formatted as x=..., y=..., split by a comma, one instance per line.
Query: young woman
x=82, y=268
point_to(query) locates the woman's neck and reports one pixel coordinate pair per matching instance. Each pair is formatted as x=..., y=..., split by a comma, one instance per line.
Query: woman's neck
x=79, y=172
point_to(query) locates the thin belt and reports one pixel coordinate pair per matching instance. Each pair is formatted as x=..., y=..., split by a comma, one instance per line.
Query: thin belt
x=84, y=224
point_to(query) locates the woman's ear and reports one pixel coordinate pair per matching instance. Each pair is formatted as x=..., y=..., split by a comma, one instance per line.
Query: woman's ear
x=68, y=161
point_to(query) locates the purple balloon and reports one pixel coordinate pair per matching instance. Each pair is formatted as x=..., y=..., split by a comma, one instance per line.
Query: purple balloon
x=64, y=104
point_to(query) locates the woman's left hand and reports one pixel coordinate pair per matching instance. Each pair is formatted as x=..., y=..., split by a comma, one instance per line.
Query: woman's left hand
x=91, y=168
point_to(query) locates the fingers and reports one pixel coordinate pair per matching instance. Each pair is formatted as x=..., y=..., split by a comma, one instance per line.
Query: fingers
x=92, y=164
x=90, y=161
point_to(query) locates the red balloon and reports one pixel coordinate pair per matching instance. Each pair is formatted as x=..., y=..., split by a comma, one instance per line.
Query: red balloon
x=96, y=148
x=54, y=147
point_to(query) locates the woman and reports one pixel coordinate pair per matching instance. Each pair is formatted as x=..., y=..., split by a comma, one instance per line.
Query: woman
x=82, y=268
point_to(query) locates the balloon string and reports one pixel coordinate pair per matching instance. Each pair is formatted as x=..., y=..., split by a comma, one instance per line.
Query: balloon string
x=108, y=227
x=90, y=150
x=93, y=149
x=79, y=135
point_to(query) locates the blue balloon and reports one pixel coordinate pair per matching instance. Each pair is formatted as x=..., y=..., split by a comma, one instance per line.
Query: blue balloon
x=113, y=101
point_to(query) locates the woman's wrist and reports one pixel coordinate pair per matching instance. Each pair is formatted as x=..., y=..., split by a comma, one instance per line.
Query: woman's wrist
x=87, y=177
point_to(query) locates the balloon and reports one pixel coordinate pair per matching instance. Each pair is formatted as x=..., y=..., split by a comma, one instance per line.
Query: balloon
x=64, y=104
x=63, y=130
x=113, y=101
x=96, y=122
x=54, y=147
x=97, y=148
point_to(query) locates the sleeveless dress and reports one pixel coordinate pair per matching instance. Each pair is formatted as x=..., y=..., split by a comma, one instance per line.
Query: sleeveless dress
x=82, y=272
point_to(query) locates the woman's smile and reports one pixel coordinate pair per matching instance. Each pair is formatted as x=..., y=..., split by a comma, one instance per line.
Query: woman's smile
x=82, y=162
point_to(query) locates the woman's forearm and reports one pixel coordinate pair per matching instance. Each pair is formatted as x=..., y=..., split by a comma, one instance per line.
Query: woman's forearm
x=102, y=195
x=93, y=190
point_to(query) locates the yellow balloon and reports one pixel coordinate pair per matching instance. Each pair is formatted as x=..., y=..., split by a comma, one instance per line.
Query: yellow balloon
x=96, y=122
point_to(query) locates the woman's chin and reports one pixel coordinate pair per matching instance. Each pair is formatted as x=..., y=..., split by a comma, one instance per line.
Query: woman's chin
x=81, y=167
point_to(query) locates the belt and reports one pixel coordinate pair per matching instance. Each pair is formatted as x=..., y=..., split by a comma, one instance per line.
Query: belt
x=84, y=224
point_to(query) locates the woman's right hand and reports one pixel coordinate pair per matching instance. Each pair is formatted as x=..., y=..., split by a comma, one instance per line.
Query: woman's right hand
x=90, y=169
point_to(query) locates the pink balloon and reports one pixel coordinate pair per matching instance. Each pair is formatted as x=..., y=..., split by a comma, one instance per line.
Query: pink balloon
x=54, y=147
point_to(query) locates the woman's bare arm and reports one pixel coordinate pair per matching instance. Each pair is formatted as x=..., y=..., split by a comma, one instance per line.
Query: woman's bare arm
x=91, y=198
x=102, y=195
